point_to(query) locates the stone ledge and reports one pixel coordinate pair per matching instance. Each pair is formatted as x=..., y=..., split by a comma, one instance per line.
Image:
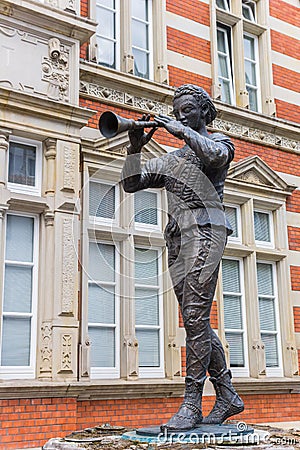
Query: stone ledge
x=150, y=388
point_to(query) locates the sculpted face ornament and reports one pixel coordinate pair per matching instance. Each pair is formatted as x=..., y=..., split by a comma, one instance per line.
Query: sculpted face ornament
x=195, y=235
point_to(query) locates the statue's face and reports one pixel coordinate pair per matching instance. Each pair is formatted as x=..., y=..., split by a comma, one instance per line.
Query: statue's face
x=188, y=111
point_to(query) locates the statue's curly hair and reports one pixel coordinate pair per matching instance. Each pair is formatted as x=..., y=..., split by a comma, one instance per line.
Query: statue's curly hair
x=201, y=96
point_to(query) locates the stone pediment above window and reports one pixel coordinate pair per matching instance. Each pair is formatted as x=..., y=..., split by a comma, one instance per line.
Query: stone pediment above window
x=116, y=147
x=254, y=174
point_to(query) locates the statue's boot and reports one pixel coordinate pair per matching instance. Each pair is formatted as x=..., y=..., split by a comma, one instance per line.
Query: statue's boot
x=228, y=403
x=189, y=414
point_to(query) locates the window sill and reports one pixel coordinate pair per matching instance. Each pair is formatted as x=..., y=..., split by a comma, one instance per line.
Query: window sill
x=145, y=388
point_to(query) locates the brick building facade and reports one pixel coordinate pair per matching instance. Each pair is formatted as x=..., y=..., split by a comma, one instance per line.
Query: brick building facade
x=90, y=330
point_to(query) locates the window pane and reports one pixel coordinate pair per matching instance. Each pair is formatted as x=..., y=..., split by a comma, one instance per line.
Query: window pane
x=106, y=51
x=223, y=68
x=223, y=4
x=233, y=312
x=146, y=266
x=106, y=21
x=145, y=207
x=236, y=349
x=262, y=226
x=140, y=35
x=267, y=316
x=231, y=276
x=17, y=289
x=253, y=104
x=271, y=349
x=102, y=200
x=101, y=262
x=19, y=238
x=265, y=279
x=22, y=159
x=249, y=48
x=225, y=91
x=148, y=348
x=250, y=73
x=140, y=9
x=146, y=307
x=16, y=341
x=102, y=347
x=101, y=304
x=141, y=63
x=231, y=214
x=221, y=35
x=108, y=3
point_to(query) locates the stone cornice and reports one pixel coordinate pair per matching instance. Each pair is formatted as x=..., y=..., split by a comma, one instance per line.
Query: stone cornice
x=61, y=120
x=118, y=389
x=49, y=18
x=119, y=89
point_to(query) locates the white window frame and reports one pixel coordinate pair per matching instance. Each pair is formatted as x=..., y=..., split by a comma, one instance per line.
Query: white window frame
x=149, y=227
x=240, y=371
x=274, y=371
x=150, y=37
x=253, y=15
x=225, y=29
x=155, y=372
x=237, y=239
x=24, y=372
x=266, y=244
x=23, y=188
x=93, y=220
x=110, y=372
x=257, y=70
x=117, y=38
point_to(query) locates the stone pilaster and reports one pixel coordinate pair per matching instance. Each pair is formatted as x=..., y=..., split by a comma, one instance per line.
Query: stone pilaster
x=50, y=155
x=4, y=145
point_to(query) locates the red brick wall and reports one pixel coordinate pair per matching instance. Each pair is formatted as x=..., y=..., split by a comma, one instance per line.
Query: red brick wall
x=187, y=9
x=293, y=202
x=188, y=45
x=214, y=315
x=286, y=78
x=31, y=422
x=284, y=11
x=285, y=44
x=287, y=111
x=297, y=319
x=294, y=238
x=295, y=277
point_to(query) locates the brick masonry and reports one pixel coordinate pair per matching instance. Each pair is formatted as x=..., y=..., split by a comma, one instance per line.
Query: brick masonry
x=31, y=422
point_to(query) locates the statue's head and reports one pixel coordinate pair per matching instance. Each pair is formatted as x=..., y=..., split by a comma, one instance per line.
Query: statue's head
x=201, y=98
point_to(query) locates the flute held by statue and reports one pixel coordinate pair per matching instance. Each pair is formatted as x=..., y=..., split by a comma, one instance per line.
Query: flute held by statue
x=110, y=124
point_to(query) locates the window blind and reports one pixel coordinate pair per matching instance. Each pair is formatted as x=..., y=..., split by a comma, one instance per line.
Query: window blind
x=231, y=214
x=102, y=200
x=145, y=207
x=262, y=226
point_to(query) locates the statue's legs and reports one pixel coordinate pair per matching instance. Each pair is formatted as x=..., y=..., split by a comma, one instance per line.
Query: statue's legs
x=194, y=265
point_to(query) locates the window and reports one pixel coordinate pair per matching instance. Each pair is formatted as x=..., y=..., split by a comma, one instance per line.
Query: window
x=148, y=311
x=102, y=200
x=263, y=228
x=249, y=10
x=24, y=165
x=103, y=309
x=141, y=37
x=18, y=337
x=268, y=315
x=106, y=33
x=234, y=313
x=251, y=71
x=125, y=37
x=233, y=215
x=146, y=209
x=121, y=278
x=240, y=73
x=224, y=64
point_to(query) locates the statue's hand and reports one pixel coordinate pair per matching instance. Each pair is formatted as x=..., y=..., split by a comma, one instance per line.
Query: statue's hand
x=138, y=138
x=172, y=126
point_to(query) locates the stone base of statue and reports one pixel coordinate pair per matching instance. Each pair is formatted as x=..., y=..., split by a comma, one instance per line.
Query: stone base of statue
x=204, y=434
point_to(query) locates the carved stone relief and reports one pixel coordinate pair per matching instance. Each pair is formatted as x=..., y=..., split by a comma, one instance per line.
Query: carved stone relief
x=46, y=349
x=68, y=268
x=69, y=169
x=66, y=354
x=27, y=65
x=124, y=98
